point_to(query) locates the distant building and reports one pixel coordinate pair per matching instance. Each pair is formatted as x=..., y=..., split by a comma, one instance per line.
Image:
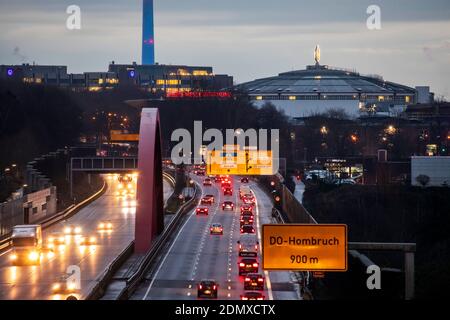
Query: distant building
x=319, y=88
x=157, y=78
x=429, y=112
x=430, y=171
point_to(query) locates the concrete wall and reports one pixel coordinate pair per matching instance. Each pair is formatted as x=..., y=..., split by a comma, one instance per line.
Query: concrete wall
x=32, y=208
x=436, y=168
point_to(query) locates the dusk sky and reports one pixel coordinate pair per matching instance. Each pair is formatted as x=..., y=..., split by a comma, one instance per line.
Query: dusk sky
x=245, y=38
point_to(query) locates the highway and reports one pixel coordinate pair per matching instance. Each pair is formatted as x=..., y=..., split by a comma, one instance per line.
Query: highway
x=36, y=282
x=195, y=255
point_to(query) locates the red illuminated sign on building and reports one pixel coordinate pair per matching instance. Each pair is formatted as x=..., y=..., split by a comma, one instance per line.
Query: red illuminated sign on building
x=199, y=95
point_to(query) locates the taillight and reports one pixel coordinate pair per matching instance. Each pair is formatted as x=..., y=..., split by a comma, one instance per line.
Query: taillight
x=260, y=279
x=256, y=247
x=244, y=298
x=260, y=298
x=240, y=246
x=255, y=265
x=241, y=264
x=200, y=287
x=214, y=287
x=247, y=279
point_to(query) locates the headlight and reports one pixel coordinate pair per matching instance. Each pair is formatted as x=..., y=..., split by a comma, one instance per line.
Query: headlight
x=78, y=230
x=13, y=257
x=120, y=186
x=33, y=256
x=71, y=286
x=56, y=287
x=67, y=230
x=129, y=186
x=109, y=225
x=51, y=239
x=92, y=240
x=101, y=226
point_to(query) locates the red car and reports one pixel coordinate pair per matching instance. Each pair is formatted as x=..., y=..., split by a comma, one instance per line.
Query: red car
x=252, y=296
x=246, y=207
x=227, y=192
x=248, y=265
x=202, y=210
x=254, y=281
x=207, y=200
x=228, y=205
x=247, y=228
x=207, y=182
x=248, y=199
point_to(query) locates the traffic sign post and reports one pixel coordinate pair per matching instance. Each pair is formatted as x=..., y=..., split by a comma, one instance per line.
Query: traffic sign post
x=305, y=247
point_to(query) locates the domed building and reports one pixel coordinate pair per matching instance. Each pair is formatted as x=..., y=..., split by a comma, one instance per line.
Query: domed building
x=319, y=88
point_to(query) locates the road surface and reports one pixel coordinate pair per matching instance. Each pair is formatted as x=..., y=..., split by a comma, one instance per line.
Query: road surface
x=195, y=255
x=36, y=282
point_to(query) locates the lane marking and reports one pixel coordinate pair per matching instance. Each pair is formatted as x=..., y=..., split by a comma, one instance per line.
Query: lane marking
x=165, y=257
x=266, y=273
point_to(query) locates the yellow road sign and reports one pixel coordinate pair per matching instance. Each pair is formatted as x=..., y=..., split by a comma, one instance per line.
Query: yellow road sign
x=235, y=162
x=307, y=247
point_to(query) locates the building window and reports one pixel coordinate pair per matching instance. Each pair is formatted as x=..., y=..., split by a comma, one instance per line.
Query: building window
x=44, y=207
x=258, y=98
x=407, y=99
x=35, y=210
x=292, y=98
x=380, y=98
x=200, y=73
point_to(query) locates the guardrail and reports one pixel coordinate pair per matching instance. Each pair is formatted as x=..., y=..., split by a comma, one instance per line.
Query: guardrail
x=154, y=252
x=58, y=217
x=99, y=289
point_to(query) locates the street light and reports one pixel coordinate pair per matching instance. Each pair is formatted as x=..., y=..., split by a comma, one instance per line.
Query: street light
x=324, y=130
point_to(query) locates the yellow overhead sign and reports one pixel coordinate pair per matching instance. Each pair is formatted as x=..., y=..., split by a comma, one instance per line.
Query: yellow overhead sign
x=119, y=135
x=236, y=162
x=307, y=247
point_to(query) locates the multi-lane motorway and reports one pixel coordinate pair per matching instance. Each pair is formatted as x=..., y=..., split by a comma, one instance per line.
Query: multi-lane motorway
x=195, y=255
x=36, y=282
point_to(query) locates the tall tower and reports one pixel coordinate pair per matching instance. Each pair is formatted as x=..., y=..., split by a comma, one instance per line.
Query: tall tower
x=148, y=35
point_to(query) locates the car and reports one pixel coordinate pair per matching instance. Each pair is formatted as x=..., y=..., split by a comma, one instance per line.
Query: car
x=207, y=182
x=247, y=228
x=254, y=281
x=246, y=220
x=249, y=196
x=207, y=289
x=227, y=192
x=105, y=226
x=72, y=230
x=87, y=241
x=248, y=199
x=56, y=239
x=217, y=179
x=246, y=207
x=64, y=286
x=216, y=228
x=248, y=265
x=248, y=245
x=200, y=172
x=207, y=200
x=252, y=296
x=202, y=210
x=228, y=205
x=244, y=180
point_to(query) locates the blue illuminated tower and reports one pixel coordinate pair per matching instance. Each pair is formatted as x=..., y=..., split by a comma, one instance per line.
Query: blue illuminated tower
x=148, y=35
